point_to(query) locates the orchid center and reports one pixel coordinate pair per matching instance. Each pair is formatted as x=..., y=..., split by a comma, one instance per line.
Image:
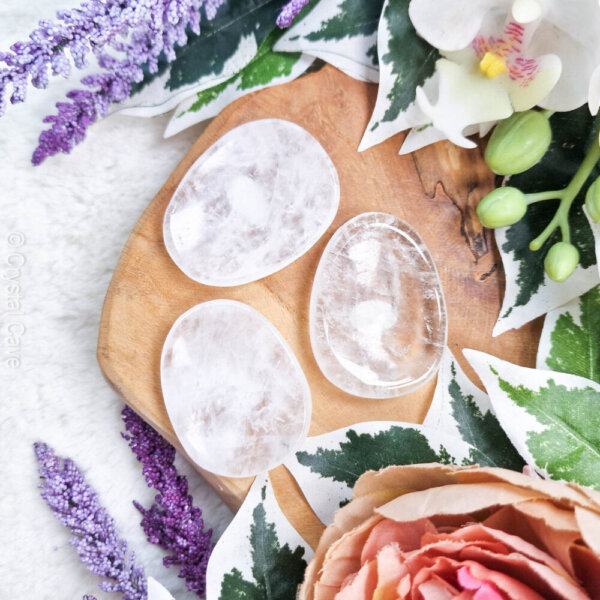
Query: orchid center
x=492, y=65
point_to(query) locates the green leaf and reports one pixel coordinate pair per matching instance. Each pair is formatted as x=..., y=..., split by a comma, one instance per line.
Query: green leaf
x=461, y=409
x=406, y=61
x=205, y=97
x=219, y=39
x=575, y=346
x=411, y=58
x=491, y=446
x=340, y=32
x=277, y=570
x=267, y=68
x=355, y=17
x=267, y=65
x=364, y=452
x=553, y=418
x=570, y=448
x=573, y=132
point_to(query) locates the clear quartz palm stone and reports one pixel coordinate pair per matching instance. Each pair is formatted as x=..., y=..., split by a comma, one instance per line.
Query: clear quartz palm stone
x=253, y=203
x=377, y=312
x=236, y=396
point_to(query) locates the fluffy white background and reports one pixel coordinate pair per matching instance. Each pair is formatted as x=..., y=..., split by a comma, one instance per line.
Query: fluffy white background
x=75, y=213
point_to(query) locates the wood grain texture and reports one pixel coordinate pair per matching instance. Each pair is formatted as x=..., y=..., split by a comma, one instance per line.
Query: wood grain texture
x=436, y=190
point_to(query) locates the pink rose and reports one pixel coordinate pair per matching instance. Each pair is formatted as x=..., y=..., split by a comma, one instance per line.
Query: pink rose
x=434, y=532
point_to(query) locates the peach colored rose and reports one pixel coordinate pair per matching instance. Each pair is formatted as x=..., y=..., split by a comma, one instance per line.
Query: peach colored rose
x=434, y=532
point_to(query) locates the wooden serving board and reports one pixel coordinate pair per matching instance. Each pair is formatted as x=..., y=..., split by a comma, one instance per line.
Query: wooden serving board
x=435, y=189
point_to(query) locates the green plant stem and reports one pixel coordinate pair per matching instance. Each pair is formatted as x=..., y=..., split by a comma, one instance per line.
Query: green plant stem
x=566, y=197
x=539, y=196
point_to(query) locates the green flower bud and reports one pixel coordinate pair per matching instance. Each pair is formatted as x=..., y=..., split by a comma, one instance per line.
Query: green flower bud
x=592, y=200
x=501, y=207
x=518, y=142
x=561, y=260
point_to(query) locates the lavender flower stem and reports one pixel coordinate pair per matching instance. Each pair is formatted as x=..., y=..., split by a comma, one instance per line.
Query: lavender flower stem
x=172, y=522
x=74, y=502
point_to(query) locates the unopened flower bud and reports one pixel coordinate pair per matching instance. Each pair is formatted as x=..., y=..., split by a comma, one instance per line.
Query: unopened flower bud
x=561, y=260
x=518, y=142
x=592, y=200
x=501, y=207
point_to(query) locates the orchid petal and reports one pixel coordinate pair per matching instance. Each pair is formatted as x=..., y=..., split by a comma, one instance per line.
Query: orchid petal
x=524, y=97
x=452, y=24
x=594, y=91
x=571, y=90
x=526, y=11
x=419, y=137
x=465, y=98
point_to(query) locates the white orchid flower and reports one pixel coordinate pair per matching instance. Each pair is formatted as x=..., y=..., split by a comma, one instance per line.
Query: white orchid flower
x=502, y=56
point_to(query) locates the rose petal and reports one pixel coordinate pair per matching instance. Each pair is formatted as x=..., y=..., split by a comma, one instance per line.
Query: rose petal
x=343, y=557
x=561, y=494
x=538, y=577
x=433, y=590
x=541, y=523
x=587, y=569
x=407, y=536
x=454, y=499
x=362, y=586
x=589, y=524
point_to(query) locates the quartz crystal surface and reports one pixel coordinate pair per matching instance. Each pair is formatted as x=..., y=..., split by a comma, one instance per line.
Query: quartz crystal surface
x=377, y=312
x=236, y=396
x=254, y=202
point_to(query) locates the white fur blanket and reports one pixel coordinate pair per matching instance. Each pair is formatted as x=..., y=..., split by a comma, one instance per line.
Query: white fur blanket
x=63, y=225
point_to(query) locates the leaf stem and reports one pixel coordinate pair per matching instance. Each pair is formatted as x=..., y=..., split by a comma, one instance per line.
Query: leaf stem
x=566, y=197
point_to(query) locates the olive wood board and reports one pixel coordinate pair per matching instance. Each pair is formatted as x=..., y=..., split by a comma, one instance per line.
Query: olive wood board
x=435, y=189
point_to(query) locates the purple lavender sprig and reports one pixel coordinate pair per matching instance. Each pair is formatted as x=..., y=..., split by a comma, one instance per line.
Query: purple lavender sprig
x=156, y=26
x=95, y=537
x=172, y=522
x=289, y=12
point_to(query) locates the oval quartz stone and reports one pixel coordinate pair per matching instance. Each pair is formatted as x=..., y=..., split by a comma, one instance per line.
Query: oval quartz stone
x=377, y=312
x=254, y=202
x=236, y=396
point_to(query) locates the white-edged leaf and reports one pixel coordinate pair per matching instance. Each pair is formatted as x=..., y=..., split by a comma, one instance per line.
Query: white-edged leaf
x=340, y=32
x=406, y=61
x=553, y=419
x=156, y=591
x=459, y=408
x=277, y=68
x=259, y=550
x=328, y=465
x=596, y=232
x=157, y=97
x=548, y=296
x=570, y=340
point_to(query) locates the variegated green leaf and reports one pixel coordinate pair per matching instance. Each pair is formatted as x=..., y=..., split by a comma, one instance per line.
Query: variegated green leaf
x=595, y=227
x=226, y=44
x=260, y=555
x=405, y=62
x=552, y=418
x=529, y=291
x=461, y=409
x=268, y=68
x=328, y=465
x=570, y=341
x=340, y=32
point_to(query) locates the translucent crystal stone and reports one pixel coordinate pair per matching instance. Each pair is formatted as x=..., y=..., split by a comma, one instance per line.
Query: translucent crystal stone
x=377, y=313
x=253, y=203
x=236, y=396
